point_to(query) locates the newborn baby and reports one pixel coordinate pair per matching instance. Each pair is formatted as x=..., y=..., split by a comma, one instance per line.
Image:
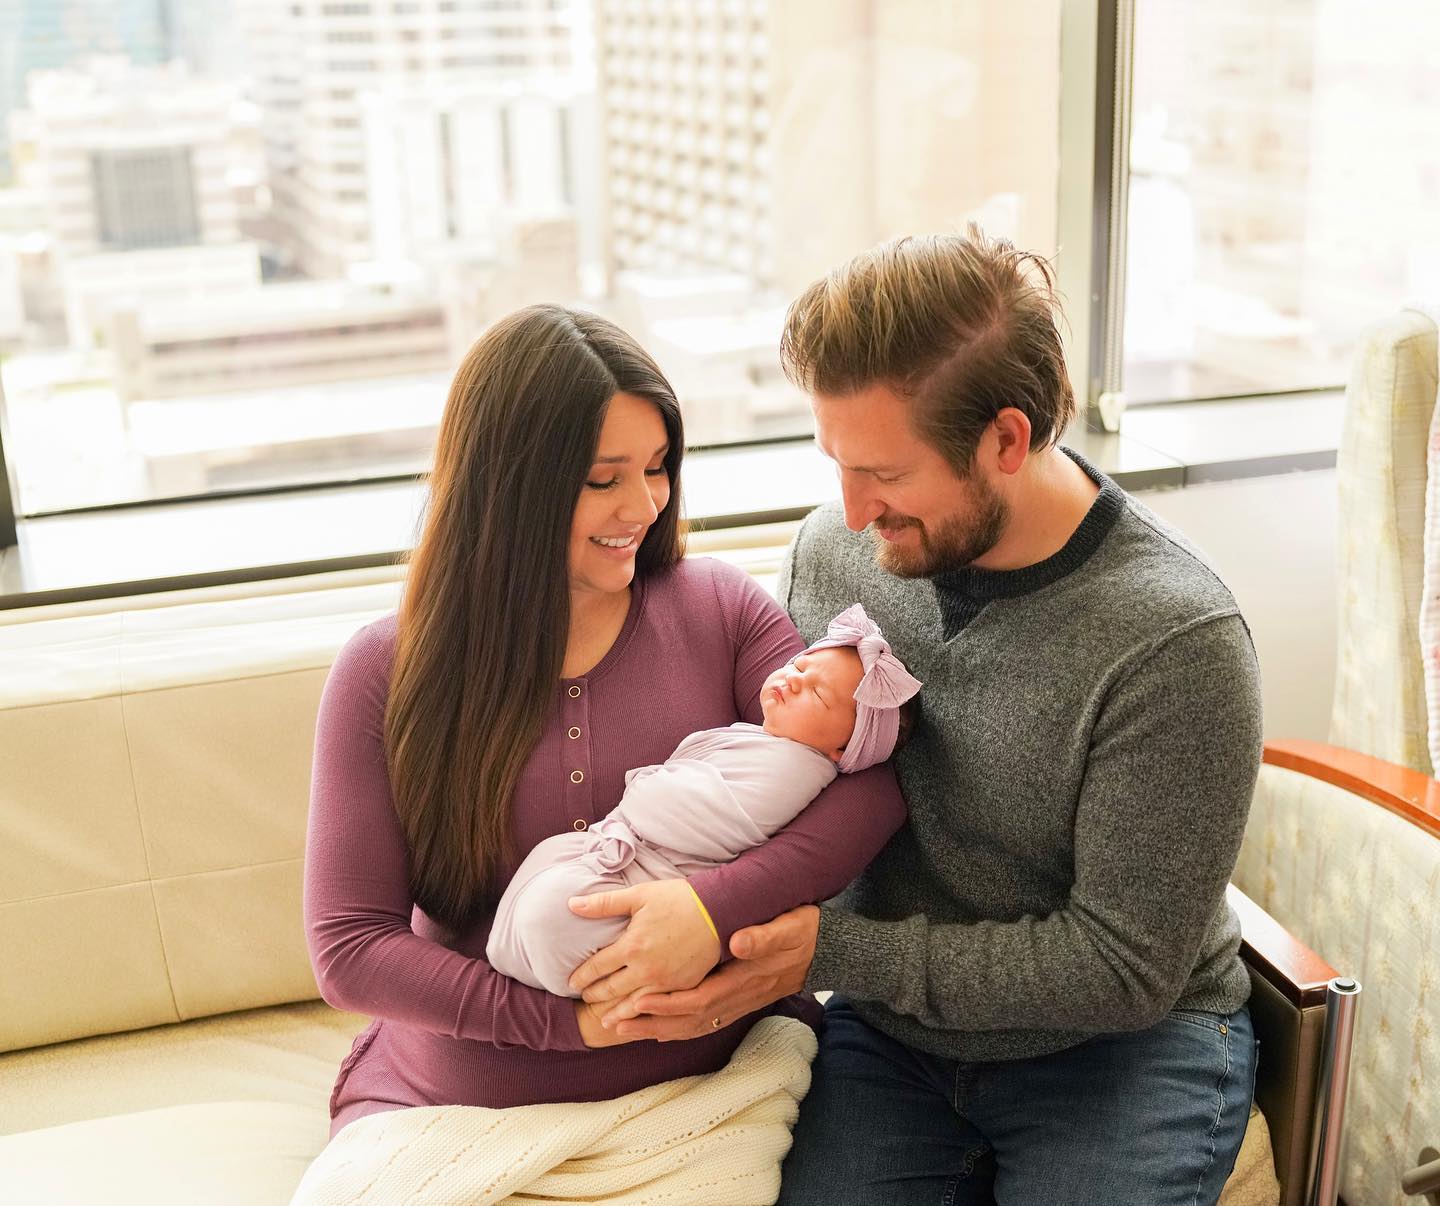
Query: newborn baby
x=834, y=708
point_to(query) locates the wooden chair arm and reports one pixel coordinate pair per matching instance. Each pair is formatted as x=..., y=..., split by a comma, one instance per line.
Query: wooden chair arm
x=1403, y=791
x=1297, y=972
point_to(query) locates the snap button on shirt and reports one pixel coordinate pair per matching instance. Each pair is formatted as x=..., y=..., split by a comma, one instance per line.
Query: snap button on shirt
x=576, y=804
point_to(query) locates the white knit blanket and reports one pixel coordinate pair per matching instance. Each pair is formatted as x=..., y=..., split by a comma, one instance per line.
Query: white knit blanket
x=716, y=1139
x=1430, y=595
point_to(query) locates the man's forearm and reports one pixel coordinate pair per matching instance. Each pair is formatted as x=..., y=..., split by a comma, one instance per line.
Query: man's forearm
x=1055, y=973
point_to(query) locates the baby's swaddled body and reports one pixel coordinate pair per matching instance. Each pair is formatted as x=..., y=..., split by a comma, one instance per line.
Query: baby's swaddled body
x=722, y=792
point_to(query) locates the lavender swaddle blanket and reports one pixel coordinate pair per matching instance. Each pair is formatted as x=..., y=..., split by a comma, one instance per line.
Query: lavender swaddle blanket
x=722, y=792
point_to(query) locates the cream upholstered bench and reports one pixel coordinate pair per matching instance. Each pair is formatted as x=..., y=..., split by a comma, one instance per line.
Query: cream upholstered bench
x=157, y=1010
x=154, y=767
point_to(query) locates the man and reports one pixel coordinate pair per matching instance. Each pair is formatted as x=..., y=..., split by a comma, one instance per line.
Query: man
x=1038, y=993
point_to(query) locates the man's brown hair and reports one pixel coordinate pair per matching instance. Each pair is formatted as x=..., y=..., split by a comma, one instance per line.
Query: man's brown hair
x=961, y=326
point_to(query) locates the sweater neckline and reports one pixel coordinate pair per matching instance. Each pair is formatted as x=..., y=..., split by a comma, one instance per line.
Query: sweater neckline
x=975, y=584
x=627, y=631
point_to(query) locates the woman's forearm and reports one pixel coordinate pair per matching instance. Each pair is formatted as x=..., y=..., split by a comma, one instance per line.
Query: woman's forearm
x=387, y=971
x=358, y=905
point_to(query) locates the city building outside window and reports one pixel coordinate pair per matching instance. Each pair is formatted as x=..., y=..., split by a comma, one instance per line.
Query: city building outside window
x=237, y=261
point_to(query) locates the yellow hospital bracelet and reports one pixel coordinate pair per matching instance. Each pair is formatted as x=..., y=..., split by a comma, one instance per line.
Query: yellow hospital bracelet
x=704, y=912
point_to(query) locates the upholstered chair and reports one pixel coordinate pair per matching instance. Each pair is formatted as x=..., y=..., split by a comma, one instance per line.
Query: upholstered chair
x=1379, y=705
x=1343, y=846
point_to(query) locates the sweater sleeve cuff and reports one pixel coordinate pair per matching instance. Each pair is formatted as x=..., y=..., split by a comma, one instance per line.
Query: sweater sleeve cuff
x=716, y=905
x=564, y=1026
x=858, y=957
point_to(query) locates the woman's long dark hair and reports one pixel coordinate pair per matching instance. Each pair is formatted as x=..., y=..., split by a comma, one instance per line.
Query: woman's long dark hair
x=485, y=614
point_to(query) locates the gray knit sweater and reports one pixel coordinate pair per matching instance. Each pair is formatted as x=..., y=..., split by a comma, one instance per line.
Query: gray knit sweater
x=1078, y=785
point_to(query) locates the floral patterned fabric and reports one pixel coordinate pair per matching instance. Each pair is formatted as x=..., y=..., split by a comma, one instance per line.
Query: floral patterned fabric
x=1380, y=706
x=1359, y=885
x=1430, y=592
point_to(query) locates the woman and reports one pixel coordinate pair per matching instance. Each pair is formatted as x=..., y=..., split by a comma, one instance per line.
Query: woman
x=532, y=662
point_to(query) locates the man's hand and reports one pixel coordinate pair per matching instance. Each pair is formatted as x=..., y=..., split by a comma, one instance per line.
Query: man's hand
x=592, y=1033
x=771, y=961
x=667, y=945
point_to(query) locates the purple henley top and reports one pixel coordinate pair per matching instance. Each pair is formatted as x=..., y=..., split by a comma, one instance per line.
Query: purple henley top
x=696, y=645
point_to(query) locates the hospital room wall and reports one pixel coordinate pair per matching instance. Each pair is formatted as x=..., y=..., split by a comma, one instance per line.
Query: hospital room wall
x=1273, y=541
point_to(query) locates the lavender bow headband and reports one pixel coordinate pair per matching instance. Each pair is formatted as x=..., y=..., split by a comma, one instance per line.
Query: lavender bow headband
x=886, y=685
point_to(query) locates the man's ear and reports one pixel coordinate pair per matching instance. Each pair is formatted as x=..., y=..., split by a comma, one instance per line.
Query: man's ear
x=1012, y=439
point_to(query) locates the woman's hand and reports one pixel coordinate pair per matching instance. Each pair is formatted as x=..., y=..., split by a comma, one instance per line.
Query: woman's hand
x=668, y=945
x=592, y=1033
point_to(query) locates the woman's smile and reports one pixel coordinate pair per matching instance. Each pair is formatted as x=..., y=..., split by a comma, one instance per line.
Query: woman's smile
x=619, y=547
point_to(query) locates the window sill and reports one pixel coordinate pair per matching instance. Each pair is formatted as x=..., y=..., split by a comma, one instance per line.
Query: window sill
x=108, y=554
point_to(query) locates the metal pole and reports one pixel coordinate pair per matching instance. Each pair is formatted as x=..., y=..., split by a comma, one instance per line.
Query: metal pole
x=1115, y=72
x=1341, y=1001
x=1425, y=1179
x=1077, y=230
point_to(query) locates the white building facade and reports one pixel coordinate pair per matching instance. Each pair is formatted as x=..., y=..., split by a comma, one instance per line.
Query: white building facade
x=338, y=78
x=130, y=158
x=281, y=335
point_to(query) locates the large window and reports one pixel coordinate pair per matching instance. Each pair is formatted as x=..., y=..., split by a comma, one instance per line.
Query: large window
x=235, y=256
x=255, y=260
x=1285, y=189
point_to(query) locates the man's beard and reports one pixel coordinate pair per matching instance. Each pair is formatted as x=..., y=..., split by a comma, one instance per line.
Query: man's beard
x=952, y=544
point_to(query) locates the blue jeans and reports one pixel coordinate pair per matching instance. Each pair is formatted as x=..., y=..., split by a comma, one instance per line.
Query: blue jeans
x=1150, y=1118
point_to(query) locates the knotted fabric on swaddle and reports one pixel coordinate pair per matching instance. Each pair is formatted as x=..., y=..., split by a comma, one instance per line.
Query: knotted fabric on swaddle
x=886, y=685
x=610, y=843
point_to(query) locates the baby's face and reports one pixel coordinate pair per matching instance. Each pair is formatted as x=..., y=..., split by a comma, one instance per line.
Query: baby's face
x=812, y=700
